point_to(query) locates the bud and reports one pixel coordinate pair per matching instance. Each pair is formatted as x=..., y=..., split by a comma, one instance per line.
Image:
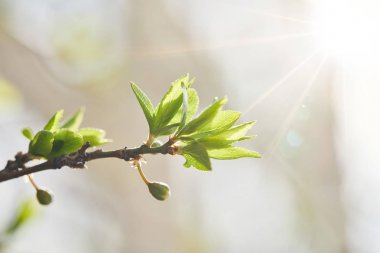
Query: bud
x=156, y=143
x=44, y=196
x=159, y=190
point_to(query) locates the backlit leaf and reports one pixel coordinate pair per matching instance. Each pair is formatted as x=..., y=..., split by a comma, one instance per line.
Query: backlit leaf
x=192, y=108
x=167, y=130
x=169, y=104
x=232, y=153
x=75, y=121
x=25, y=212
x=94, y=136
x=196, y=155
x=204, y=118
x=28, y=133
x=65, y=142
x=145, y=104
x=236, y=132
x=53, y=123
x=42, y=143
x=214, y=143
x=222, y=121
x=185, y=105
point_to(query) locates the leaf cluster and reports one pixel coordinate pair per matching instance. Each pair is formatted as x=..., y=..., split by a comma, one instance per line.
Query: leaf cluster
x=210, y=134
x=58, y=138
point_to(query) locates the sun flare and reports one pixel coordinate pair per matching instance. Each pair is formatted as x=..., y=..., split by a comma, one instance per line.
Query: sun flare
x=347, y=29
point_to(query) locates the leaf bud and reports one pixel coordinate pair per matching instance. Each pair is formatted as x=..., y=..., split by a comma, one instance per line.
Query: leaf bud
x=159, y=190
x=156, y=143
x=44, y=196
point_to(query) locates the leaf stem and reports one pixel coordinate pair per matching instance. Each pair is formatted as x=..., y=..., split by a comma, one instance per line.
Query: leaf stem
x=138, y=166
x=150, y=140
x=31, y=180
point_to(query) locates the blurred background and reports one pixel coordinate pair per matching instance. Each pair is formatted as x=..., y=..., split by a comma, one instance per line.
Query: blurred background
x=306, y=70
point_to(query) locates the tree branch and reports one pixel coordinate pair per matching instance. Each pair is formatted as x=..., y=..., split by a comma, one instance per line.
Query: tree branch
x=17, y=167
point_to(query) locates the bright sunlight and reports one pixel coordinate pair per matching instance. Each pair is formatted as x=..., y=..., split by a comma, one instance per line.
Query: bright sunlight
x=346, y=29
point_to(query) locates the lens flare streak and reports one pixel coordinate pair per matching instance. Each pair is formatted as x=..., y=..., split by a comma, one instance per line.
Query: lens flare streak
x=292, y=113
x=280, y=82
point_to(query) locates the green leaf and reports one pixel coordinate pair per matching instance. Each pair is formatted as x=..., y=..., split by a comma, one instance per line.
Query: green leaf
x=237, y=133
x=164, y=115
x=205, y=118
x=196, y=155
x=145, y=104
x=25, y=212
x=28, y=133
x=94, y=136
x=193, y=104
x=230, y=153
x=53, y=123
x=167, y=130
x=185, y=105
x=65, y=142
x=217, y=142
x=42, y=143
x=222, y=121
x=169, y=104
x=192, y=108
x=214, y=143
x=75, y=121
x=249, y=137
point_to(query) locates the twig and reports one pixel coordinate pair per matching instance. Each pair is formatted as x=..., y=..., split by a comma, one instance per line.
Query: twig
x=17, y=167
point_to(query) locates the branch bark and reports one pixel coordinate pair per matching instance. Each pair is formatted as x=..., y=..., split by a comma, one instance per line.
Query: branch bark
x=17, y=167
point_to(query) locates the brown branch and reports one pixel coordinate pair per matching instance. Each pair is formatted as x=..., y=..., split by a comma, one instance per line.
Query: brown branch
x=17, y=167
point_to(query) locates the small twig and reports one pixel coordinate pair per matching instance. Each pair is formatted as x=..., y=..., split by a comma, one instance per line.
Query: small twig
x=17, y=167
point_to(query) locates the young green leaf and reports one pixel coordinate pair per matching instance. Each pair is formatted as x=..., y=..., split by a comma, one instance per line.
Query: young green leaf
x=75, y=121
x=222, y=121
x=248, y=137
x=230, y=153
x=192, y=108
x=215, y=143
x=236, y=133
x=42, y=143
x=53, y=123
x=167, y=130
x=193, y=104
x=196, y=155
x=164, y=114
x=28, y=133
x=204, y=118
x=25, y=212
x=65, y=142
x=94, y=136
x=145, y=104
x=169, y=105
x=185, y=105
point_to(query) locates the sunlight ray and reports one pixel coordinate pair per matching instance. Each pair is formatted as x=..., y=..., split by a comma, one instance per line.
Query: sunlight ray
x=280, y=82
x=281, y=17
x=219, y=46
x=292, y=113
x=268, y=14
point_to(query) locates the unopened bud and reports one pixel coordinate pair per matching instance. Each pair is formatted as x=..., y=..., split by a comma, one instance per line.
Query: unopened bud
x=156, y=143
x=159, y=190
x=44, y=196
